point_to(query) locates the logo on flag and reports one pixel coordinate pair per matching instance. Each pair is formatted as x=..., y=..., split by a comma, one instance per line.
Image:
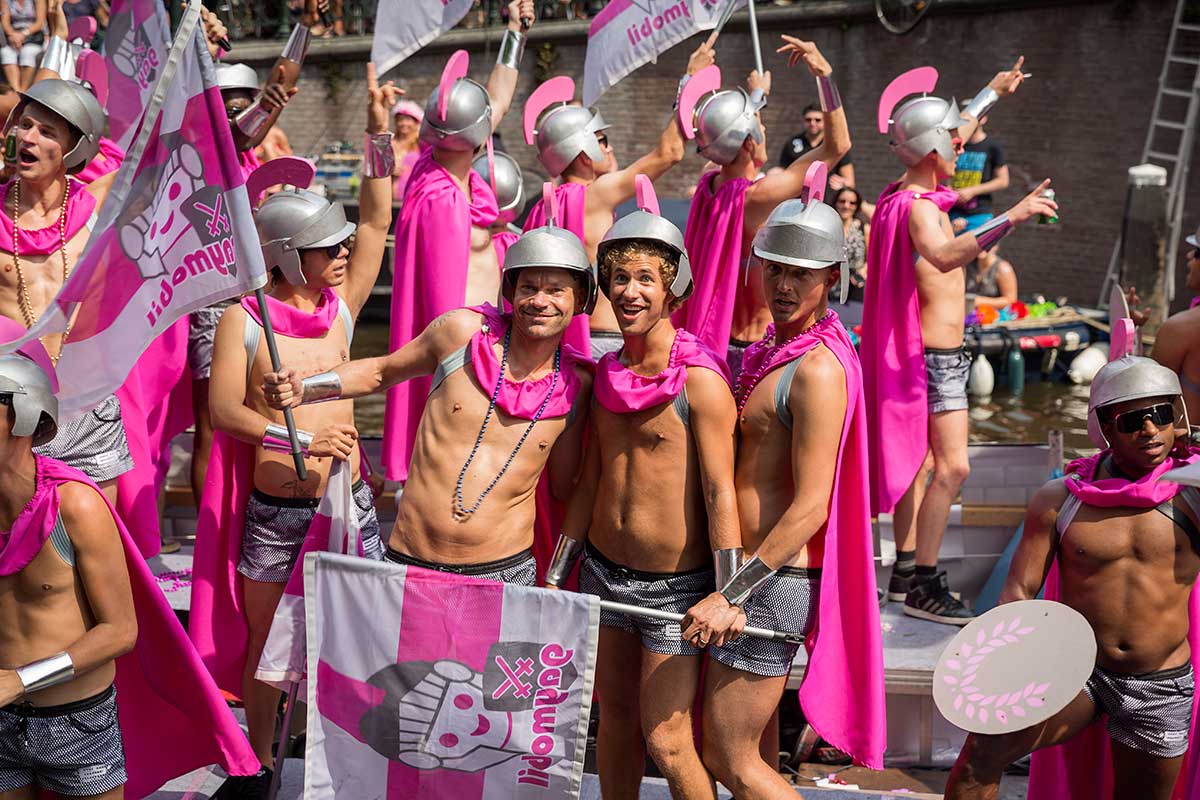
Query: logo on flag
x=425, y=683
x=135, y=51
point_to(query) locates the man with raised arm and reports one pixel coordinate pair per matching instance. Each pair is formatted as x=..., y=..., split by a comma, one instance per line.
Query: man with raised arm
x=444, y=253
x=572, y=142
x=727, y=313
x=654, y=503
x=509, y=400
x=914, y=365
x=1126, y=540
x=801, y=487
x=256, y=510
x=1177, y=344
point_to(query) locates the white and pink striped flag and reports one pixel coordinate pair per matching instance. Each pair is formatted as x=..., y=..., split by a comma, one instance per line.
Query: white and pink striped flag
x=334, y=529
x=402, y=27
x=428, y=684
x=175, y=233
x=630, y=33
x=135, y=52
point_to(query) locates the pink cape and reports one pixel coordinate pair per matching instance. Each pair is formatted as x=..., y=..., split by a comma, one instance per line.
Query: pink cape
x=107, y=162
x=715, y=245
x=249, y=163
x=217, y=623
x=433, y=246
x=572, y=212
x=161, y=684
x=623, y=391
x=893, y=355
x=842, y=694
x=1081, y=769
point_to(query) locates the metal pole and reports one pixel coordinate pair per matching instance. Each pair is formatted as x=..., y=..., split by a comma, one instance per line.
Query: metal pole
x=653, y=613
x=273, y=350
x=281, y=750
x=754, y=37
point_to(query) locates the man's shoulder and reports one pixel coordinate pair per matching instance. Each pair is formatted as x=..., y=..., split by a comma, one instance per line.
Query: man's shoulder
x=1185, y=324
x=819, y=367
x=82, y=507
x=455, y=328
x=1049, y=497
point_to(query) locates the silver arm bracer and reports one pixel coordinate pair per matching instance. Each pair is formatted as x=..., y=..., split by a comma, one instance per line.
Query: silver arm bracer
x=512, y=49
x=992, y=231
x=726, y=563
x=276, y=439
x=828, y=94
x=322, y=387
x=982, y=103
x=750, y=576
x=379, y=159
x=566, y=553
x=46, y=672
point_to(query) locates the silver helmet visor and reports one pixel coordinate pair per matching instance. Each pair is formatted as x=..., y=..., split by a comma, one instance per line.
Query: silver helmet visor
x=330, y=227
x=798, y=247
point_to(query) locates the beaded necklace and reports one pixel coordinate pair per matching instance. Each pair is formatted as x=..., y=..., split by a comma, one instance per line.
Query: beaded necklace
x=460, y=511
x=23, y=299
x=748, y=380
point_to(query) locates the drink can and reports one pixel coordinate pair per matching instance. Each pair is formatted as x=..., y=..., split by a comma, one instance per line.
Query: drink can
x=1052, y=219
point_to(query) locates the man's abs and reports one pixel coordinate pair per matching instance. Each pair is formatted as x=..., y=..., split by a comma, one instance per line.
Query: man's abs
x=942, y=297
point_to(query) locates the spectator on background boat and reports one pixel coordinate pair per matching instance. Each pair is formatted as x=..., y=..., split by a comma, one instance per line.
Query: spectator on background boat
x=992, y=280
x=406, y=126
x=812, y=137
x=856, y=227
x=1177, y=344
x=979, y=173
x=24, y=23
x=74, y=9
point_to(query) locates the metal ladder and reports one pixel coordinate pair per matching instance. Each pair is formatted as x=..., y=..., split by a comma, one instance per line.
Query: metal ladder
x=1179, y=161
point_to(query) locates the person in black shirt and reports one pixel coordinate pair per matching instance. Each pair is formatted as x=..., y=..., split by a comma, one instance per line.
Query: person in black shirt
x=979, y=172
x=814, y=133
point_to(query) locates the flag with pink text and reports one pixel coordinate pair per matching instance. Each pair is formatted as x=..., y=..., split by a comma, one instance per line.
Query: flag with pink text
x=629, y=33
x=402, y=27
x=334, y=529
x=430, y=684
x=175, y=233
x=136, y=44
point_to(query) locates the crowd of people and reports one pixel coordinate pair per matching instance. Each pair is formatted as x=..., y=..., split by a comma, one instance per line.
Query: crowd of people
x=670, y=419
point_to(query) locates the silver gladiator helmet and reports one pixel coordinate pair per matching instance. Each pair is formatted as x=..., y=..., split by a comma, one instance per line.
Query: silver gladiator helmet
x=562, y=132
x=647, y=223
x=78, y=106
x=1131, y=378
x=921, y=125
x=27, y=375
x=504, y=174
x=550, y=246
x=806, y=232
x=236, y=76
x=458, y=115
x=718, y=120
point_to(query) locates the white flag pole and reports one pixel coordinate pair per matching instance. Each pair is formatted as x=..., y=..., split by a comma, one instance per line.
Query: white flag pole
x=758, y=64
x=654, y=613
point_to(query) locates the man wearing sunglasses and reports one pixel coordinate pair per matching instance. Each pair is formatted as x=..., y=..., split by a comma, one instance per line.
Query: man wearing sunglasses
x=1127, y=546
x=255, y=510
x=1178, y=342
x=914, y=366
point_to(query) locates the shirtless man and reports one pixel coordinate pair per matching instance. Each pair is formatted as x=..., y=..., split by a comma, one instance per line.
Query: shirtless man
x=572, y=142
x=66, y=613
x=912, y=414
x=1177, y=344
x=801, y=498
x=727, y=313
x=1127, y=558
x=468, y=506
x=319, y=287
x=654, y=504
x=444, y=253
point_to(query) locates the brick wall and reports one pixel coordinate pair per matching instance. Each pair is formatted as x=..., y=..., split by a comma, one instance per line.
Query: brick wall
x=1080, y=120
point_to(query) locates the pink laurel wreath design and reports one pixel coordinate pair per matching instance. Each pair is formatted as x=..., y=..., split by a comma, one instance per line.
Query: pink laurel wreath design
x=967, y=664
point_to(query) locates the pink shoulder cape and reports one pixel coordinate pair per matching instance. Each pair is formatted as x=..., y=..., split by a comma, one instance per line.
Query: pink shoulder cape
x=842, y=694
x=162, y=686
x=623, y=391
x=433, y=246
x=1081, y=769
x=893, y=356
x=41, y=241
x=249, y=162
x=108, y=161
x=716, y=248
x=572, y=211
x=217, y=623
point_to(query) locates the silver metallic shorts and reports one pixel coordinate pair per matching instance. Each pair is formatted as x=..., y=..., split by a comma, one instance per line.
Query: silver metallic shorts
x=946, y=374
x=202, y=330
x=788, y=603
x=1151, y=713
x=94, y=443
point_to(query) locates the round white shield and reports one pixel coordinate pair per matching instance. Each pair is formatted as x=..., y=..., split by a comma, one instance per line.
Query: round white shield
x=1017, y=665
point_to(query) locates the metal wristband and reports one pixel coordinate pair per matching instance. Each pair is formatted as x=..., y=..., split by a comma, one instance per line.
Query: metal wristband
x=679, y=89
x=253, y=119
x=276, y=439
x=828, y=94
x=46, y=673
x=321, y=387
x=992, y=231
x=297, y=44
x=750, y=576
x=726, y=563
x=566, y=553
x=55, y=56
x=512, y=48
x=379, y=159
x=981, y=103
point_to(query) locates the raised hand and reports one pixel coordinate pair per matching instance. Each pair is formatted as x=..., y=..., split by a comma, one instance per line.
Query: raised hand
x=519, y=12
x=57, y=19
x=283, y=389
x=1007, y=81
x=275, y=95
x=380, y=101
x=799, y=50
x=702, y=56
x=756, y=81
x=1033, y=204
x=336, y=441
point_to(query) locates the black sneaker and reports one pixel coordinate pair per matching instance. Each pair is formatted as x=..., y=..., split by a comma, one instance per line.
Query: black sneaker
x=932, y=599
x=899, y=585
x=245, y=787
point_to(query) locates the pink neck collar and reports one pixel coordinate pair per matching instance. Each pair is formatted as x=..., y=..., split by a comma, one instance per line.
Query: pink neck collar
x=43, y=241
x=1145, y=492
x=288, y=320
x=521, y=399
x=623, y=391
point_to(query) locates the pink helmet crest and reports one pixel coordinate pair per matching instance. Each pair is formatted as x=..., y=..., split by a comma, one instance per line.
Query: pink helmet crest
x=921, y=80
x=550, y=204
x=814, y=183
x=456, y=68
x=291, y=170
x=82, y=28
x=1121, y=339
x=705, y=81
x=556, y=90
x=90, y=67
x=647, y=200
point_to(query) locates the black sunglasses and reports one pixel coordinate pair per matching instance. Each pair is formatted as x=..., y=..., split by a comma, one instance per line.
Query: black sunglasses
x=332, y=250
x=1131, y=421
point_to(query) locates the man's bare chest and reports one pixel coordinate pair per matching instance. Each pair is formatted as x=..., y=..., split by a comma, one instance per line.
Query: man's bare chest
x=1098, y=537
x=46, y=581
x=656, y=432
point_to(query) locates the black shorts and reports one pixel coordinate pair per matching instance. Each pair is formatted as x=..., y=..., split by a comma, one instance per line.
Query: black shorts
x=519, y=569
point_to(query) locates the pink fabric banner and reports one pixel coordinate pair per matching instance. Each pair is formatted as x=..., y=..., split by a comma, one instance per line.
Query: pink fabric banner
x=428, y=684
x=135, y=52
